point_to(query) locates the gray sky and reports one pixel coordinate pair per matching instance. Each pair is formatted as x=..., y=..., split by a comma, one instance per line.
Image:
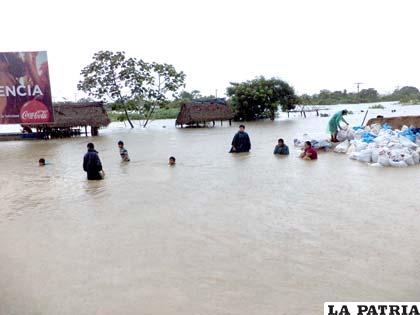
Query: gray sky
x=312, y=44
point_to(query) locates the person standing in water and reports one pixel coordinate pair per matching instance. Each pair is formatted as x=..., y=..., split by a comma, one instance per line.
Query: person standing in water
x=172, y=161
x=123, y=152
x=281, y=148
x=334, y=124
x=241, y=141
x=92, y=163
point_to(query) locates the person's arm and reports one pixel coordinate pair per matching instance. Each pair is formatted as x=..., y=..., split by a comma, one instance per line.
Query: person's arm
x=344, y=121
x=276, y=150
x=85, y=163
x=286, y=150
x=234, y=142
x=98, y=163
x=248, y=142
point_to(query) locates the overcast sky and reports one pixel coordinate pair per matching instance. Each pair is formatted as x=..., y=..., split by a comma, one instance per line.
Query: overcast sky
x=312, y=44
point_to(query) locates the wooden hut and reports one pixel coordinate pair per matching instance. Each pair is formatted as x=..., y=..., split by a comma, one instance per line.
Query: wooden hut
x=203, y=112
x=70, y=118
x=396, y=122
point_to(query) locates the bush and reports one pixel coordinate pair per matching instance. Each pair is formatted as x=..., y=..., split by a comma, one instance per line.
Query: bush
x=260, y=98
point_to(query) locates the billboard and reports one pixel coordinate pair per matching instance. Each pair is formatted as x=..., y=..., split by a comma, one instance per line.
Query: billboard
x=25, y=93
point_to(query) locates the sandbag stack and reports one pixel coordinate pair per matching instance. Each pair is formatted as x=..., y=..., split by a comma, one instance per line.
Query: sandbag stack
x=382, y=146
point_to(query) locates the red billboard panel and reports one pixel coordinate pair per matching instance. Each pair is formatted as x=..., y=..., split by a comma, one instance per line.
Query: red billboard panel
x=25, y=93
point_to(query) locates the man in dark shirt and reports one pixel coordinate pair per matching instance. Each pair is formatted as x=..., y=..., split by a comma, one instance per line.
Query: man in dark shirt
x=241, y=142
x=92, y=164
x=281, y=148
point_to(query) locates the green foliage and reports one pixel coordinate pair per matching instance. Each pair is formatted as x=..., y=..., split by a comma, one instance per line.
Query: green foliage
x=326, y=97
x=260, y=98
x=161, y=113
x=130, y=83
x=407, y=94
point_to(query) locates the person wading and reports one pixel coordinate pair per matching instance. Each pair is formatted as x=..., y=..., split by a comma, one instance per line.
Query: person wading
x=92, y=163
x=241, y=142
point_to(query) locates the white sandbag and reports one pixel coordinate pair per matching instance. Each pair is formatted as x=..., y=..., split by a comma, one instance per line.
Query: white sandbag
x=407, y=143
x=323, y=144
x=351, y=148
x=360, y=146
x=350, y=134
x=365, y=156
x=409, y=160
x=375, y=155
x=397, y=163
x=342, y=147
x=358, y=134
x=354, y=155
x=375, y=128
x=383, y=159
x=416, y=157
x=342, y=135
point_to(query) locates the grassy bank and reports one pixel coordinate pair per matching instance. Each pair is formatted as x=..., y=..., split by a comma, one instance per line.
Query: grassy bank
x=161, y=113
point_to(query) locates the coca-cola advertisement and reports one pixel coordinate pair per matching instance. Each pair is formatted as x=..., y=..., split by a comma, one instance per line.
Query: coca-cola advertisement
x=25, y=94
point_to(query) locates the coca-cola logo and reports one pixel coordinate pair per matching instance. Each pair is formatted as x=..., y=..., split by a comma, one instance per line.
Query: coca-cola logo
x=39, y=114
x=34, y=112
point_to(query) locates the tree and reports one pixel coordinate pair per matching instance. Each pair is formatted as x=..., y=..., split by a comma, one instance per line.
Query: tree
x=130, y=82
x=369, y=95
x=162, y=80
x=105, y=78
x=260, y=98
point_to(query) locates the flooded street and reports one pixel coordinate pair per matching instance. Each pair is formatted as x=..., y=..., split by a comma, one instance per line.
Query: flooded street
x=217, y=234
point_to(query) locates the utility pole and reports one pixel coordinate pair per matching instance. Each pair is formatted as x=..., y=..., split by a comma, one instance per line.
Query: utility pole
x=216, y=93
x=358, y=86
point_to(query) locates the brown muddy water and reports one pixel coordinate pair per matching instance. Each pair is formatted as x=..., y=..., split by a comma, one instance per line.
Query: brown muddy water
x=217, y=234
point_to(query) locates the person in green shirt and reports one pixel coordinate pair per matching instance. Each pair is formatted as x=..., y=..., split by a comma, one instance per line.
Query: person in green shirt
x=334, y=124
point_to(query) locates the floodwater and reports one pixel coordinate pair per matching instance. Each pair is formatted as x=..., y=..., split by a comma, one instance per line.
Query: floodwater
x=217, y=234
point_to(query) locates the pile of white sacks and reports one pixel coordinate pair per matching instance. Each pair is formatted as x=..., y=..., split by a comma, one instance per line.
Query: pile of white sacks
x=380, y=145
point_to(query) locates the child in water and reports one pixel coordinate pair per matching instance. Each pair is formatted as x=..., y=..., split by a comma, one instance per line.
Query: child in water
x=123, y=152
x=172, y=161
x=42, y=162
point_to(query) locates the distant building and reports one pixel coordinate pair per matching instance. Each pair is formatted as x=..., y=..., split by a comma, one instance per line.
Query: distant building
x=70, y=118
x=204, y=111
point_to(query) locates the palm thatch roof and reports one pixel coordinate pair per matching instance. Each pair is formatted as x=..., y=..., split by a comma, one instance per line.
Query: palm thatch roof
x=397, y=122
x=201, y=112
x=67, y=115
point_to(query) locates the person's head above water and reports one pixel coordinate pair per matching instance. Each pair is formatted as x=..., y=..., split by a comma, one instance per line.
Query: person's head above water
x=307, y=144
x=90, y=146
x=344, y=112
x=241, y=127
x=120, y=144
x=172, y=160
x=280, y=141
x=41, y=162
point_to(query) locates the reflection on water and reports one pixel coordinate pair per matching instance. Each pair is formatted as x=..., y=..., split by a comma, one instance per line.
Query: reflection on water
x=216, y=234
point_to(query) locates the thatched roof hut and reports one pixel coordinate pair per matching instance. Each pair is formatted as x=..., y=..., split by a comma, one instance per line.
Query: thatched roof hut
x=68, y=115
x=397, y=122
x=194, y=113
